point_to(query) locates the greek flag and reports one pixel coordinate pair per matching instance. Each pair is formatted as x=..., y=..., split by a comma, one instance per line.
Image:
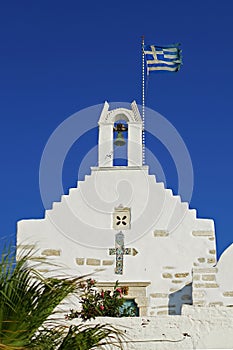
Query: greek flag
x=162, y=58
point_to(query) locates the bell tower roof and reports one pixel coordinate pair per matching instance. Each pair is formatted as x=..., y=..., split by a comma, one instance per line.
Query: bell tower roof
x=129, y=115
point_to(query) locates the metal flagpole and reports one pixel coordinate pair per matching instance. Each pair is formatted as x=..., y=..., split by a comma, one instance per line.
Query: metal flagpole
x=143, y=102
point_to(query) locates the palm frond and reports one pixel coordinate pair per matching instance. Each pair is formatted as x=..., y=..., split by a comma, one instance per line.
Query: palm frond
x=28, y=303
x=85, y=337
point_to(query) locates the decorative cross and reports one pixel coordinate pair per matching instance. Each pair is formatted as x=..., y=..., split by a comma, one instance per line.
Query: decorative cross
x=120, y=251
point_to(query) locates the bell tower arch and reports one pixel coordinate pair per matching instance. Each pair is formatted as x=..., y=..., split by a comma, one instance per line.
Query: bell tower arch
x=106, y=127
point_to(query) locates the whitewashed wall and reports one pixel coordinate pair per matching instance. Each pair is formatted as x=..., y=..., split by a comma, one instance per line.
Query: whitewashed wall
x=197, y=328
x=170, y=240
x=173, y=253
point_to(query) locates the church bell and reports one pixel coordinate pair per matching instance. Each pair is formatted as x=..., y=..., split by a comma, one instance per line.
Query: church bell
x=119, y=128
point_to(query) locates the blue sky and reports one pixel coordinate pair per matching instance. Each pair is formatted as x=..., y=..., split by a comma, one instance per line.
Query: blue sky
x=58, y=57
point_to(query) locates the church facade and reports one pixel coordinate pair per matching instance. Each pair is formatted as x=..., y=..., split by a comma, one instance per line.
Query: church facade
x=121, y=224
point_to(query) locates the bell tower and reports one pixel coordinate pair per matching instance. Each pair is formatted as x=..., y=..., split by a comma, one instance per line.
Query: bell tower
x=108, y=124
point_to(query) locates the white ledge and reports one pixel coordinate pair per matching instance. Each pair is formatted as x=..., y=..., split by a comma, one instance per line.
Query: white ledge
x=142, y=167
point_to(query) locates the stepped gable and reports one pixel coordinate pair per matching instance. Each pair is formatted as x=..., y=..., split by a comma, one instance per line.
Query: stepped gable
x=159, y=240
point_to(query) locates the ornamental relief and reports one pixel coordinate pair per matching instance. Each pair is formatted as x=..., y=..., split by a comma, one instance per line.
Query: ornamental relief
x=121, y=219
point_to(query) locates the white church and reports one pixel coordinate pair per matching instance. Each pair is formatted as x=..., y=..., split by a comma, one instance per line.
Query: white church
x=121, y=224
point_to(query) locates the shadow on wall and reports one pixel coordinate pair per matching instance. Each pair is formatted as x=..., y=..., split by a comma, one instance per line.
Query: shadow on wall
x=179, y=298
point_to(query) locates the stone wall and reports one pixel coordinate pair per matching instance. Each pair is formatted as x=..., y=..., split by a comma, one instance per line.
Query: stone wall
x=213, y=286
x=196, y=328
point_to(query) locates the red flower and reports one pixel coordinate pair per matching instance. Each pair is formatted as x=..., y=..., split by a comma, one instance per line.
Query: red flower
x=102, y=294
x=119, y=291
x=101, y=307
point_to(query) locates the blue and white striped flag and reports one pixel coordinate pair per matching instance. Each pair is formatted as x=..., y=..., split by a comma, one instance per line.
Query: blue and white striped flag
x=162, y=58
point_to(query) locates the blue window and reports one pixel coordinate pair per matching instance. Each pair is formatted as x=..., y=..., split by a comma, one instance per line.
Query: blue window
x=130, y=304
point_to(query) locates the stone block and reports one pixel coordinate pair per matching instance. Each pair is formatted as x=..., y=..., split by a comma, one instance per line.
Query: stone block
x=160, y=233
x=181, y=275
x=199, y=285
x=212, y=251
x=206, y=285
x=201, y=260
x=162, y=306
x=167, y=275
x=203, y=233
x=159, y=295
x=51, y=252
x=198, y=294
x=211, y=261
x=164, y=312
x=108, y=262
x=199, y=303
x=196, y=277
x=228, y=294
x=138, y=292
x=205, y=270
x=208, y=278
x=143, y=311
x=216, y=303
x=93, y=262
x=80, y=261
x=141, y=301
x=177, y=281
